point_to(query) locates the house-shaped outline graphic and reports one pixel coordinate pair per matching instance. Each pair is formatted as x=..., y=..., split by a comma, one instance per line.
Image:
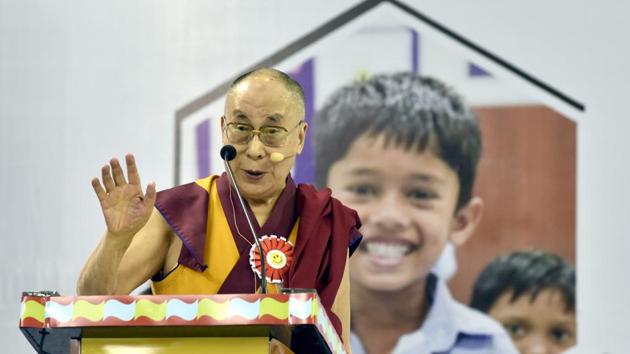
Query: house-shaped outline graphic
x=544, y=91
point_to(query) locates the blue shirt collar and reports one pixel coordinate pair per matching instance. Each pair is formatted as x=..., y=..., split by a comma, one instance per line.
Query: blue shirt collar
x=447, y=323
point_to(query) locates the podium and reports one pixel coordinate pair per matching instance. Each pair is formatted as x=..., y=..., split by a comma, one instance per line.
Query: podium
x=165, y=324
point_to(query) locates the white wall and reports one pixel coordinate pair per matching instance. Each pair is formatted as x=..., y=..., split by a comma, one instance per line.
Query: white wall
x=83, y=81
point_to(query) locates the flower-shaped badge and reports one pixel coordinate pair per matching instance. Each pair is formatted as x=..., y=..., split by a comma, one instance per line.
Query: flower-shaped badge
x=278, y=254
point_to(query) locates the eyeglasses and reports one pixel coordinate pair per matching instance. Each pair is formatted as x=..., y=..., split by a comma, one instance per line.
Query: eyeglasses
x=272, y=136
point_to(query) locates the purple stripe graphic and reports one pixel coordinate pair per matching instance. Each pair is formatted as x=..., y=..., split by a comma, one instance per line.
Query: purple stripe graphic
x=202, y=132
x=477, y=71
x=304, y=163
x=415, y=51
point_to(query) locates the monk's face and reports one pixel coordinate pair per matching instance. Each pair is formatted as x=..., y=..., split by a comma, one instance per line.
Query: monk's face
x=263, y=104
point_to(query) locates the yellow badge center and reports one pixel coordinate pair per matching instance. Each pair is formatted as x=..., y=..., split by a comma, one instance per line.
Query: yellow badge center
x=276, y=259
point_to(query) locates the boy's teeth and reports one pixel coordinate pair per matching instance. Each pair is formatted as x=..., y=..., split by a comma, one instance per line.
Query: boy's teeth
x=386, y=249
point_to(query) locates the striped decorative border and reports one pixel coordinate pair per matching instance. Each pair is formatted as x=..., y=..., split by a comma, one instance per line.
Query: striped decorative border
x=187, y=310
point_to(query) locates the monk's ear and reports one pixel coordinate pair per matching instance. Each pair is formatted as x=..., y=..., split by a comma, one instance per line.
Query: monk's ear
x=302, y=129
x=465, y=221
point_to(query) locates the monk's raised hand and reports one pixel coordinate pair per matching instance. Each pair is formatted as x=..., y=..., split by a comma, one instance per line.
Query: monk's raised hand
x=125, y=208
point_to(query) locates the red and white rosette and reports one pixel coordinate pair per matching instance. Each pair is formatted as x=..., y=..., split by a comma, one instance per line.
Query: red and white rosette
x=278, y=255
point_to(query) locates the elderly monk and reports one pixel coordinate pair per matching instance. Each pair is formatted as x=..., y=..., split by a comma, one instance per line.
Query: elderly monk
x=194, y=238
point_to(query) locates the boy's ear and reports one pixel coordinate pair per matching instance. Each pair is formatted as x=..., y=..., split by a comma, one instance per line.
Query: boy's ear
x=466, y=220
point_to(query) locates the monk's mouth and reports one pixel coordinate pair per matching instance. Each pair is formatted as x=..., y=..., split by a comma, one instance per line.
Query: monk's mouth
x=254, y=174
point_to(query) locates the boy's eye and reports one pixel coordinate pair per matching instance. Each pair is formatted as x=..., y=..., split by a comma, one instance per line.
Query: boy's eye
x=515, y=330
x=362, y=190
x=420, y=195
x=560, y=335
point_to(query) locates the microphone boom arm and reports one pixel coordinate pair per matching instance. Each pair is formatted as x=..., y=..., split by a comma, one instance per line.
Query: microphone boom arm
x=263, y=274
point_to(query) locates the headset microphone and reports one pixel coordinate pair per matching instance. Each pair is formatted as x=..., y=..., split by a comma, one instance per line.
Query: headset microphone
x=276, y=156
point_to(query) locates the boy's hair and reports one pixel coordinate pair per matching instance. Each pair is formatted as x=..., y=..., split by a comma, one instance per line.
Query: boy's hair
x=411, y=111
x=524, y=273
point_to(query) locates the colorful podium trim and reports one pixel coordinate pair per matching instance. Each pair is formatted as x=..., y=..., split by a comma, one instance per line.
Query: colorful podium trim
x=186, y=310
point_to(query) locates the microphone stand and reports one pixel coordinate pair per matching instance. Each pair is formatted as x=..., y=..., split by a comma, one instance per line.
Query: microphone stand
x=226, y=156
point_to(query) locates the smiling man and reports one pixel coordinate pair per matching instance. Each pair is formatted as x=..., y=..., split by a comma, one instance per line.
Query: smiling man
x=402, y=150
x=194, y=238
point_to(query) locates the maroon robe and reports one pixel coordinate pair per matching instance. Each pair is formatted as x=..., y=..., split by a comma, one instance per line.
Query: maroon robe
x=327, y=231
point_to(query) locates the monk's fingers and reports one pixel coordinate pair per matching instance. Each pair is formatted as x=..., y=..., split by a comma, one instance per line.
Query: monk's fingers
x=100, y=192
x=107, y=179
x=117, y=172
x=149, y=197
x=132, y=170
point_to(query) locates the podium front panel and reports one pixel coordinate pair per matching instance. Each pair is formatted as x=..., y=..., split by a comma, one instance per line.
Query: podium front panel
x=175, y=345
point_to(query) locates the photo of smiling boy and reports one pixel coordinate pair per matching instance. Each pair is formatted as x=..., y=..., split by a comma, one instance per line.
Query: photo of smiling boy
x=532, y=294
x=402, y=150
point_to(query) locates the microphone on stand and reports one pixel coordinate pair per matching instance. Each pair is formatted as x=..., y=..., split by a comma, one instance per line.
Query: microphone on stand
x=228, y=153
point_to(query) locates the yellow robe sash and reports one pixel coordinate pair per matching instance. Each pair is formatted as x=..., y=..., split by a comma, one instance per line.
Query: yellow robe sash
x=221, y=254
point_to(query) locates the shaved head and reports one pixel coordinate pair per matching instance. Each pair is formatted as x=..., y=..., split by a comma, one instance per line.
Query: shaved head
x=289, y=83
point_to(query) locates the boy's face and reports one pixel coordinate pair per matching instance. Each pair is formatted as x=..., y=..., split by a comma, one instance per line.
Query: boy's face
x=542, y=327
x=406, y=201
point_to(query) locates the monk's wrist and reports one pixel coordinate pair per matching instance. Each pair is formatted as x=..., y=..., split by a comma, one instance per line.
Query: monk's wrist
x=117, y=242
